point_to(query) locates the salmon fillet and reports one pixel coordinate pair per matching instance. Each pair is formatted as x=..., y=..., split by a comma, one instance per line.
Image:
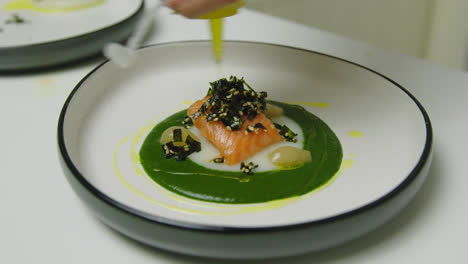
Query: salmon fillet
x=236, y=146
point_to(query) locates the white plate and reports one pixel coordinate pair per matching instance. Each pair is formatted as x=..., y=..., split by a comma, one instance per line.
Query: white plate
x=385, y=134
x=47, y=37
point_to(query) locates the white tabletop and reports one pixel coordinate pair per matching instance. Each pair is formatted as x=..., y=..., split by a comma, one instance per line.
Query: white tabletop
x=42, y=220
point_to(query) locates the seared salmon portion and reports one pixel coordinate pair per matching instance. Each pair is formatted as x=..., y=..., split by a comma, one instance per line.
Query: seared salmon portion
x=239, y=145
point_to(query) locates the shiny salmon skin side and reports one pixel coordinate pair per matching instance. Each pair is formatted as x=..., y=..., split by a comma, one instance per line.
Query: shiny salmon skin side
x=236, y=146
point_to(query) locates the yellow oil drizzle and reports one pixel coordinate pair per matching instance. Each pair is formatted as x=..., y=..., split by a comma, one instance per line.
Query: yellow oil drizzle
x=355, y=134
x=216, y=32
x=136, y=137
x=319, y=105
x=29, y=5
x=135, y=164
x=227, y=209
x=135, y=159
x=216, y=23
x=346, y=164
x=208, y=174
x=135, y=190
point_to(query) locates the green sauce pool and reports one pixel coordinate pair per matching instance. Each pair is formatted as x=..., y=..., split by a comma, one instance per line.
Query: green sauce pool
x=192, y=180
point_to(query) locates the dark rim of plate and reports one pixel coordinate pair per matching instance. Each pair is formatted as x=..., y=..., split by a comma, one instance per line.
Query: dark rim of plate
x=27, y=64
x=105, y=28
x=211, y=228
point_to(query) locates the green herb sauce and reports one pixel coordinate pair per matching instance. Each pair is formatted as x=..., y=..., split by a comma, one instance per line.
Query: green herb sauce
x=195, y=181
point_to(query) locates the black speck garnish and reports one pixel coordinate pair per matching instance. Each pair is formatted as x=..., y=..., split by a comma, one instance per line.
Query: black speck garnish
x=15, y=19
x=230, y=101
x=248, y=168
x=187, y=122
x=260, y=126
x=218, y=160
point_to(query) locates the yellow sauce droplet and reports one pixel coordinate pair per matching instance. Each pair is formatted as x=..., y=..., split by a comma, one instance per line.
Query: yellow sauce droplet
x=186, y=102
x=355, y=134
x=29, y=5
x=45, y=85
x=319, y=105
x=347, y=163
x=351, y=155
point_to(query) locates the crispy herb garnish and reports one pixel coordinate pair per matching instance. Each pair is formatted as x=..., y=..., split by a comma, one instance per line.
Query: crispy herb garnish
x=219, y=160
x=248, y=168
x=187, y=122
x=180, y=153
x=194, y=145
x=230, y=101
x=177, y=135
x=286, y=133
x=278, y=126
x=168, y=149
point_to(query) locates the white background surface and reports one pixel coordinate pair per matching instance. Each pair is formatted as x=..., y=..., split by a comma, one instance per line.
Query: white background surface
x=42, y=221
x=435, y=30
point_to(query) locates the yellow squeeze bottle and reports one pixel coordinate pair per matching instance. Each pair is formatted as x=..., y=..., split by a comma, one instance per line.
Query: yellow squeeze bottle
x=216, y=22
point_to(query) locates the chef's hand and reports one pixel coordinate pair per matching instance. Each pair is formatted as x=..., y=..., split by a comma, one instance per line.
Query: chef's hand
x=197, y=8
